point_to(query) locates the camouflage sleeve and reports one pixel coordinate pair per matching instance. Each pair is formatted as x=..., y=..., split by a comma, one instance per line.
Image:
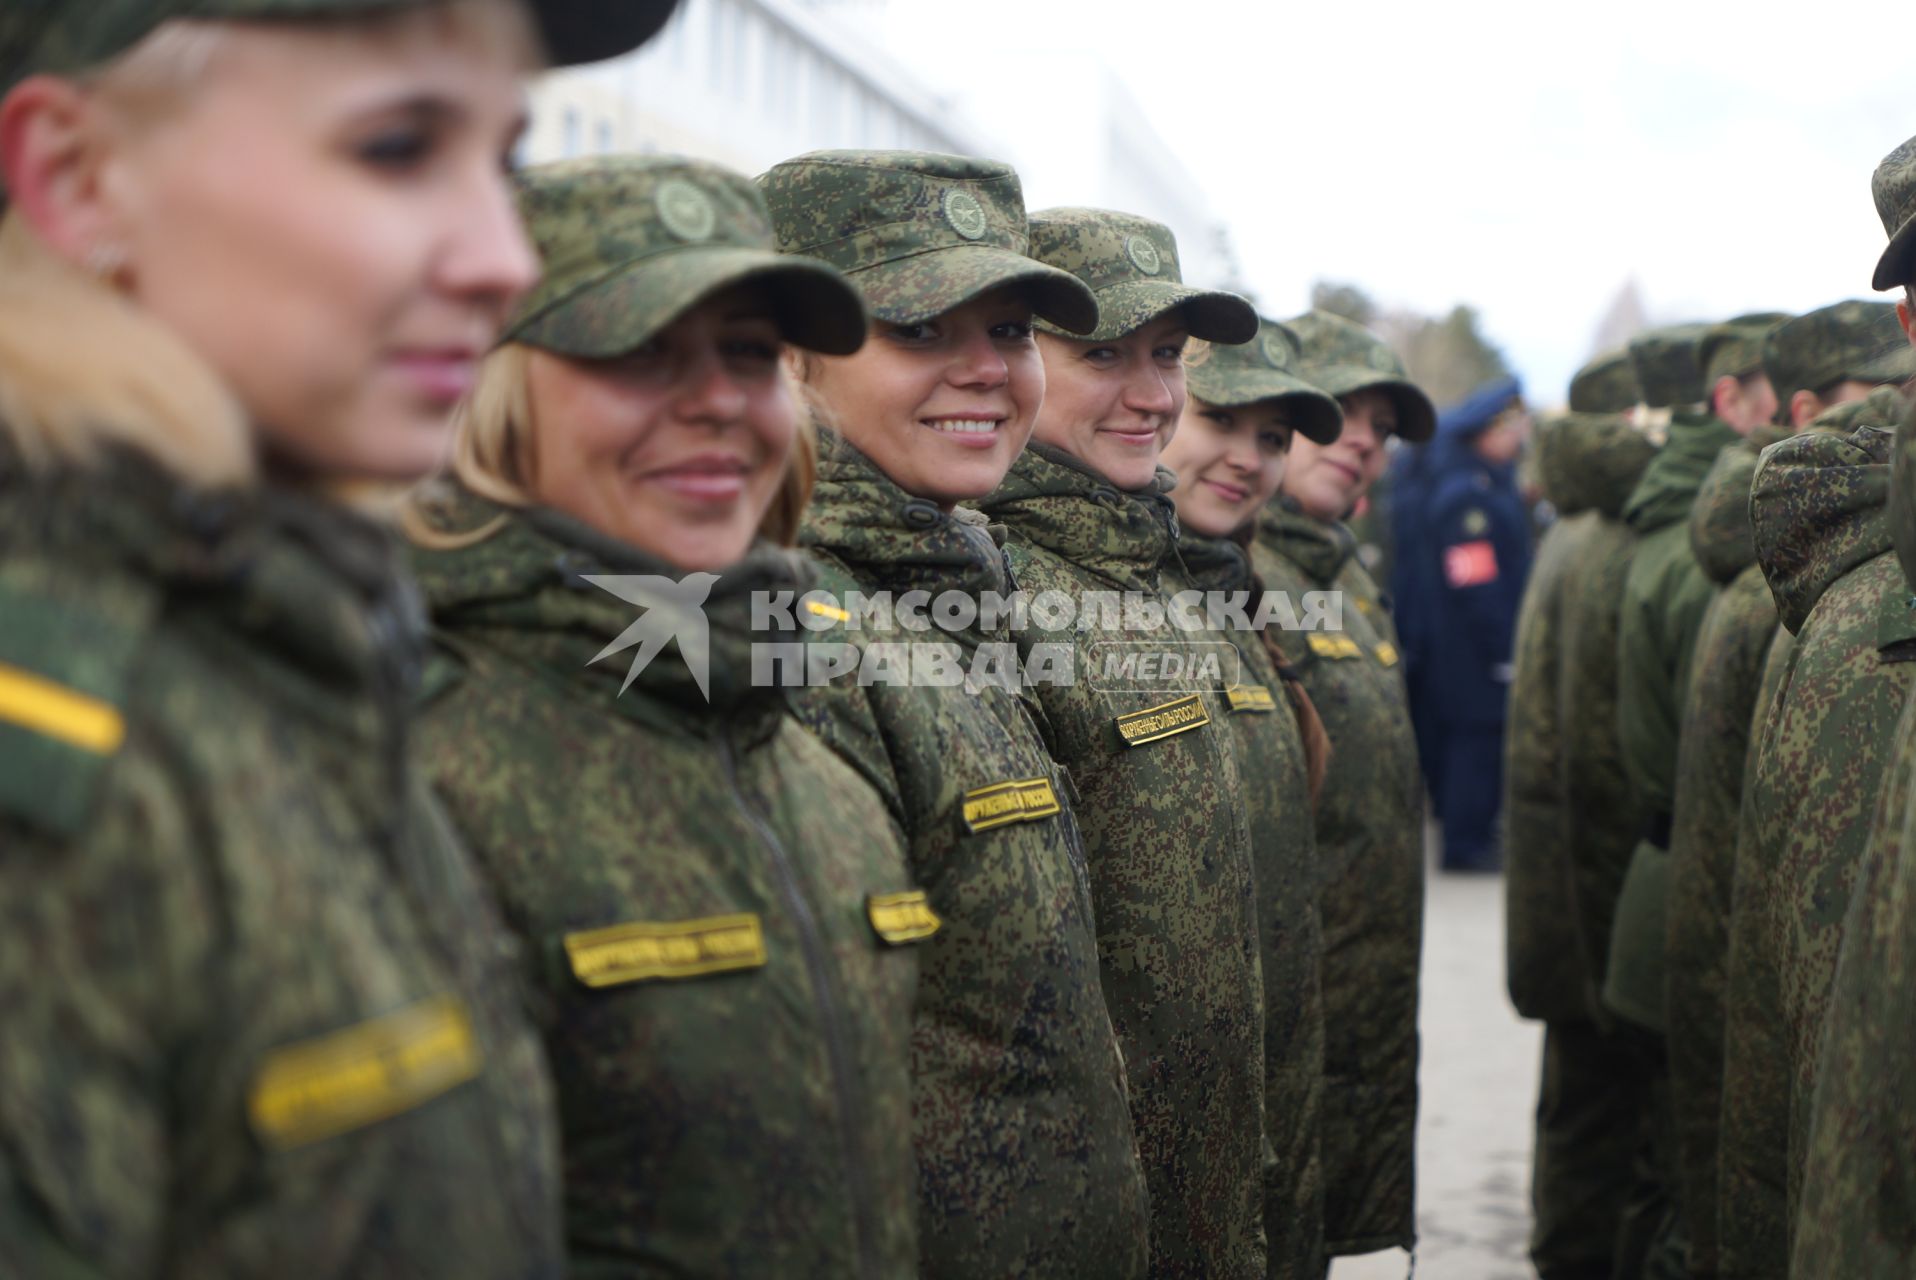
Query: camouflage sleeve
x=104, y=941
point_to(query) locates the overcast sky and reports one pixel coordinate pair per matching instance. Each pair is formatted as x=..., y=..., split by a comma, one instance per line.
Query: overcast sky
x=1522, y=157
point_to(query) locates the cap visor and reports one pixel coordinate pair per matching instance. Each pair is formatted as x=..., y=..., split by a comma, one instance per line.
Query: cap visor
x=916, y=289
x=1317, y=416
x=1213, y=316
x=815, y=307
x=1894, y=268
x=1416, y=415
x=578, y=31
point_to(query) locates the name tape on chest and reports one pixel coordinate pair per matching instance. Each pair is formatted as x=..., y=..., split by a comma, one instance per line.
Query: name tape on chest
x=1167, y=720
x=1250, y=698
x=1470, y=564
x=366, y=1073
x=625, y=953
x=1004, y=803
x=1386, y=653
x=57, y=712
x=900, y=918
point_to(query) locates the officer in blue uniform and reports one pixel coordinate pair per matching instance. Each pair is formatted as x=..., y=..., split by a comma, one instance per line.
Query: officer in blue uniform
x=1473, y=554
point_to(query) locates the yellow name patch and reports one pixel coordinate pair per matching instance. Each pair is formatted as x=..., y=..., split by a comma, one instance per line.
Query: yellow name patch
x=624, y=953
x=1004, y=803
x=349, y=1079
x=1250, y=697
x=902, y=917
x=1164, y=721
x=55, y=711
x=1332, y=646
x=819, y=609
x=1387, y=653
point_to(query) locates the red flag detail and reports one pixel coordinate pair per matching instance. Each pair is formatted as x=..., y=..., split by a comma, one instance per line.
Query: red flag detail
x=1470, y=564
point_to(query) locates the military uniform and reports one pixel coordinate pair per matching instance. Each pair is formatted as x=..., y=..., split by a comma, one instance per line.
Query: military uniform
x=1817, y=505
x=1369, y=826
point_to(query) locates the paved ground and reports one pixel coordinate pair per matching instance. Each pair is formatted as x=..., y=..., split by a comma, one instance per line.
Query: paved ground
x=1479, y=1090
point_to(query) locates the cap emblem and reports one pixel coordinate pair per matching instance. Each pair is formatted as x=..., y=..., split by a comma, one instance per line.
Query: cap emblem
x=1144, y=255
x=1275, y=352
x=686, y=211
x=965, y=214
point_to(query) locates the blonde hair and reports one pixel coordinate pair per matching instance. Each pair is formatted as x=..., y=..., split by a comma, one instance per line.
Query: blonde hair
x=492, y=455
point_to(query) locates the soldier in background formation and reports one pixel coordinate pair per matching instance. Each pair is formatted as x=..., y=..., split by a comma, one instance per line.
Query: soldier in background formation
x=1756, y=966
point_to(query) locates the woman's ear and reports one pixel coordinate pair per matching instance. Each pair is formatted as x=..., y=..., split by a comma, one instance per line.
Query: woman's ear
x=52, y=157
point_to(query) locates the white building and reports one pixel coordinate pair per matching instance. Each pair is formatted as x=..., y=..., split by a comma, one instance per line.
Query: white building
x=751, y=82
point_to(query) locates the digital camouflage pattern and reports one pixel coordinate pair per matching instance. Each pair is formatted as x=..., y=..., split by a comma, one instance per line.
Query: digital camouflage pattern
x=1731, y=647
x=61, y=37
x=1277, y=802
x=1595, y=784
x=1817, y=504
x=228, y=899
x=1857, y=1216
x=1026, y=1161
x=1863, y=341
x=1370, y=848
x=1264, y=369
x=1664, y=596
x=1546, y=980
x=1606, y=385
x=629, y=243
x=1734, y=349
x=1666, y=365
x=1342, y=358
x=919, y=233
x=1893, y=186
x=1171, y=877
x=1131, y=265
x=747, y=1109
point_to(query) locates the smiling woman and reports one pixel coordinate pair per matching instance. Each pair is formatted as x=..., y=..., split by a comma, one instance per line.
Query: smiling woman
x=247, y=265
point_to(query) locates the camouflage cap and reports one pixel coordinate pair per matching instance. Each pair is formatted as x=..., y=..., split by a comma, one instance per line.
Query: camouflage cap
x=1131, y=264
x=1266, y=369
x=1665, y=362
x=62, y=37
x=1847, y=340
x=1606, y=385
x=630, y=242
x=1342, y=359
x=1734, y=349
x=919, y=233
x=1894, y=187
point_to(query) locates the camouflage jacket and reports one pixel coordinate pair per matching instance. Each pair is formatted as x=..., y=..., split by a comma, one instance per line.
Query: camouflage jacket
x=1604, y=818
x=1817, y=506
x=1586, y=462
x=1166, y=839
x=1664, y=596
x=1857, y=1216
x=715, y=911
x=1277, y=799
x=260, y=1019
x=1026, y=1161
x=1731, y=649
x=1370, y=851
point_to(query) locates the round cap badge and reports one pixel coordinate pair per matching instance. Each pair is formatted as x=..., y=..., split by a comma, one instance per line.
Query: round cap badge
x=1276, y=354
x=686, y=211
x=965, y=214
x=1144, y=255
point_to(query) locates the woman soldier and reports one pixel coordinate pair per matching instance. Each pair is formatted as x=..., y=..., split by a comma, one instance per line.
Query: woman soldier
x=1026, y=1160
x=715, y=911
x=258, y=1020
x=1161, y=811
x=1245, y=405
x=1370, y=813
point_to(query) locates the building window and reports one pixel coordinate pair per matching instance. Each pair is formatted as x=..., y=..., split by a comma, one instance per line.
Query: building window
x=605, y=136
x=569, y=133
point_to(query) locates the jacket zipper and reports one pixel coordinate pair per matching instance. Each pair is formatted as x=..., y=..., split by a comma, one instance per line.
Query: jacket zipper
x=837, y=1049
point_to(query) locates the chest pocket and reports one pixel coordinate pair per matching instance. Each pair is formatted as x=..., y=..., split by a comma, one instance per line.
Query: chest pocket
x=336, y=1083
x=644, y=952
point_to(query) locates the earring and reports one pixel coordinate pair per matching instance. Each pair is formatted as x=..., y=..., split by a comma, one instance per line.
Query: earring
x=106, y=259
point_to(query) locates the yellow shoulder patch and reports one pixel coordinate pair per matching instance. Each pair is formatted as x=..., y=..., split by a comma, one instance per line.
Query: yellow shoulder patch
x=1250, y=698
x=366, y=1073
x=1004, y=803
x=40, y=705
x=623, y=953
x=1335, y=647
x=1165, y=720
x=1386, y=653
x=899, y=918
